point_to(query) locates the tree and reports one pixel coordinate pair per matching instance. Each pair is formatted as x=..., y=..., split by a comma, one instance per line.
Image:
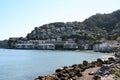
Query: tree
x=12, y=42
x=64, y=37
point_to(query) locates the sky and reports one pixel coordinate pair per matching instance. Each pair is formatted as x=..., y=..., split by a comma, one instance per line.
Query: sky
x=19, y=17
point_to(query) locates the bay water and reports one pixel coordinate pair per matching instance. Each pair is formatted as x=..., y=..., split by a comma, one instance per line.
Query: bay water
x=29, y=64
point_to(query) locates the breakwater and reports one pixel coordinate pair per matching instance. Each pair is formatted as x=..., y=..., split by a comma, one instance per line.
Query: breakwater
x=100, y=67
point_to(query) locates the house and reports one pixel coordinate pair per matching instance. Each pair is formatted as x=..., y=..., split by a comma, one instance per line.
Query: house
x=101, y=47
x=47, y=26
x=86, y=47
x=49, y=33
x=59, y=39
x=62, y=28
x=53, y=40
x=34, y=32
x=24, y=46
x=43, y=30
x=74, y=32
x=29, y=46
x=19, y=46
x=69, y=31
x=52, y=27
x=49, y=44
x=70, y=44
x=44, y=33
x=106, y=47
x=58, y=29
x=48, y=40
x=35, y=44
x=49, y=30
x=46, y=46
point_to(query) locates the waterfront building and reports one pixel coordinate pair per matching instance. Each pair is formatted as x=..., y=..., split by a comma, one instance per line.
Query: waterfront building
x=106, y=47
x=46, y=46
x=70, y=44
x=24, y=46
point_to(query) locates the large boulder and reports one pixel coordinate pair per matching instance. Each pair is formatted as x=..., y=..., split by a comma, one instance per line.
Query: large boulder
x=100, y=60
x=111, y=60
x=99, y=64
x=39, y=78
x=91, y=65
x=58, y=70
x=85, y=63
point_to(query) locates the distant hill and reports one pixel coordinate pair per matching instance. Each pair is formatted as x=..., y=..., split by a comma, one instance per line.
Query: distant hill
x=94, y=28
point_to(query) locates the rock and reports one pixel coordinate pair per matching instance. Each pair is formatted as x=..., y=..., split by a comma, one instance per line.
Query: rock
x=39, y=78
x=100, y=60
x=82, y=67
x=111, y=60
x=79, y=73
x=91, y=73
x=52, y=77
x=75, y=71
x=99, y=64
x=65, y=67
x=97, y=77
x=112, y=71
x=71, y=74
x=91, y=65
x=36, y=79
x=58, y=70
x=74, y=65
x=85, y=62
x=94, y=63
x=66, y=70
x=63, y=76
x=106, y=62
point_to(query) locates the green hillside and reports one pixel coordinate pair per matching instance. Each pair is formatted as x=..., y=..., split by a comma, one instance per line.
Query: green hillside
x=95, y=27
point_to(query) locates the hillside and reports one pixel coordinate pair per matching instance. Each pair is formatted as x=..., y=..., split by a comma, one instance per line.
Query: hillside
x=94, y=28
x=109, y=23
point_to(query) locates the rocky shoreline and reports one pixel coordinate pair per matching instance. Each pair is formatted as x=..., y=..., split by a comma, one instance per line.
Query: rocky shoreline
x=96, y=70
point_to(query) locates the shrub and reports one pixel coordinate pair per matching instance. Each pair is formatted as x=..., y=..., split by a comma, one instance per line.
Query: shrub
x=117, y=73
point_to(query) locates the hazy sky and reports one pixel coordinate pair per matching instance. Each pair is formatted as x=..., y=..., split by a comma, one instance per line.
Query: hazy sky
x=19, y=17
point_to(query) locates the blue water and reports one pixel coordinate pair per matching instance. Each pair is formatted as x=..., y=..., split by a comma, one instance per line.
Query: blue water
x=28, y=64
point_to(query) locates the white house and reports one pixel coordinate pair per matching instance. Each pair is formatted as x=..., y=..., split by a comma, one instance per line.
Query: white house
x=59, y=39
x=53, y=40
x=77, y=31
x=70, y=44
x=58, y=29
x=63, y=28
x=49, y=32
x=24, y=46
x=101, y=47
x=74, y=32
x=46, y=46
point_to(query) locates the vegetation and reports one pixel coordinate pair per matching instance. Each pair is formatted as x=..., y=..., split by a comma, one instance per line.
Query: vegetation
x=117, y=73
x=11, y=42
x=94, y=28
